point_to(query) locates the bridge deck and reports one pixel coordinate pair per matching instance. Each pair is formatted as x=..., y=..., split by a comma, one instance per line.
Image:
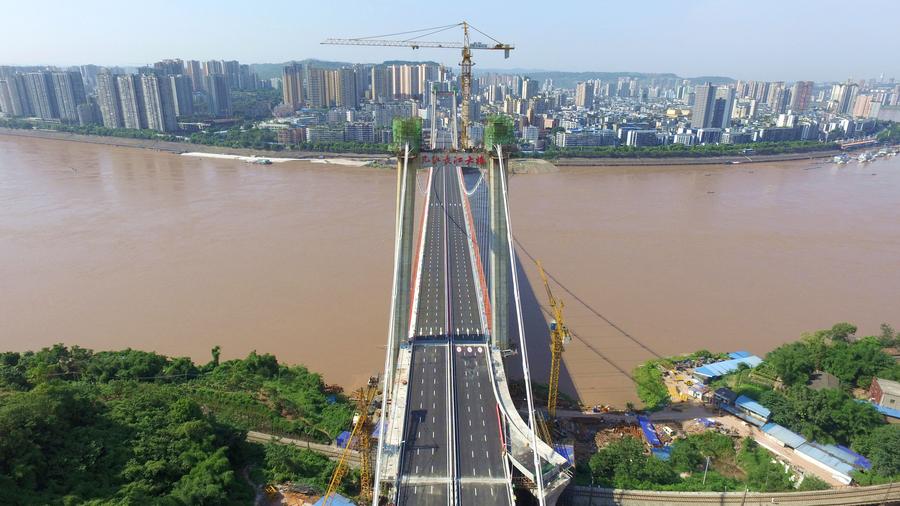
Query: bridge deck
x=452, y=443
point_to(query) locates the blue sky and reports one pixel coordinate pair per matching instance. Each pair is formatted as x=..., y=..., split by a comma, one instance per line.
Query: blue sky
x=760, y=39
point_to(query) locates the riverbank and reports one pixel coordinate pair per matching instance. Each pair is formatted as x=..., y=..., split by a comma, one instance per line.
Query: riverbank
x=698, y=160
x=182, y=147
x=185, y=147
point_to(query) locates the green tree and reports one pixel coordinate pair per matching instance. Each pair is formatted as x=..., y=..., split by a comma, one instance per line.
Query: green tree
x=842, y=331
x=792, y=362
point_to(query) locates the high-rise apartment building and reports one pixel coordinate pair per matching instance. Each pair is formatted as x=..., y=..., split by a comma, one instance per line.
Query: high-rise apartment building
x=108, y=100
x=529, y=88
x=801, y=95
x=584, y=95
x=348, y=93
x=182, y=94
x=292, y=85
x=131, y=97
x=68, y=88
x=194, y=69
x=158, y=103
x=14, y=96
x=219, y=95
x=380, y=87
x=316, y=86
x=39, y=88
x=169, y=67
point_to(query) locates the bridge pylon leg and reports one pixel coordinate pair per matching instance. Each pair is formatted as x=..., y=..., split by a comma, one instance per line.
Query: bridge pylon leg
x=405, y=212
x=499, y=254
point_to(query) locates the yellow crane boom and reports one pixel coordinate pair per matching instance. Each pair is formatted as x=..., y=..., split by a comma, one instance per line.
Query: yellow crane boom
x=465, y=65
x=362, y=434
x=559, y=335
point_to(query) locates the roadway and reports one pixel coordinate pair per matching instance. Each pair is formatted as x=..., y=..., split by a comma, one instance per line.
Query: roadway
x=452, y=452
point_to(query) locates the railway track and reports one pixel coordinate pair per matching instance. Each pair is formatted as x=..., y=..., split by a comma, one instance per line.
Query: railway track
x=850, y=496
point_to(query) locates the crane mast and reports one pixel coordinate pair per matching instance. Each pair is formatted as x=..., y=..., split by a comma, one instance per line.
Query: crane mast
x=415, y=42
x=559, y=335
x=361, y=435
x=465, y=78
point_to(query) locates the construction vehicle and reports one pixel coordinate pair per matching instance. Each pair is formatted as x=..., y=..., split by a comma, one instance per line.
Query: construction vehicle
x=361, y=436
x=559, y=336
x=414, y=41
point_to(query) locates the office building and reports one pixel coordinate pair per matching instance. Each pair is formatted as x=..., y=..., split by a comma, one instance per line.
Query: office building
x=131, y=98
x=704, y=106
x=724, y=104
x=108, y=100
x=712, y=106
x=219, y=96
x=584, y=95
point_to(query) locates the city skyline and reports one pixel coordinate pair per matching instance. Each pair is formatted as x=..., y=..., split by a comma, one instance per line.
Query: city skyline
x=773, y=41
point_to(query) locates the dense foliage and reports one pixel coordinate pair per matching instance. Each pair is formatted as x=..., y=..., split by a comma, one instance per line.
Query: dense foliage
x=890, y=134
x=623, y=464
x=134, y=427
x=855, y=362
x=650, y=387
x=237, y=137
x=682, y=151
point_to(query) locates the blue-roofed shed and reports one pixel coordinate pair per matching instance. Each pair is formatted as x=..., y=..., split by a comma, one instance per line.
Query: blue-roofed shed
x=783, y=435
x=846, y=454
x=884, y=410
x=337, y=500
x=740, y=354
x=567, y=451
x=342, y=439
x=838, y=469
x=664, y=453
x=649, y=431
x=748, y=404
x=717, y=369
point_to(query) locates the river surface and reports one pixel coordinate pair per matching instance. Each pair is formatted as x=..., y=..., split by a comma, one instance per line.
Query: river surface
x=109, y=247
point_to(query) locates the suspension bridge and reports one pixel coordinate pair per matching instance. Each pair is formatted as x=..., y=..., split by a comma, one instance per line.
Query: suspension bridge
x=450, y=431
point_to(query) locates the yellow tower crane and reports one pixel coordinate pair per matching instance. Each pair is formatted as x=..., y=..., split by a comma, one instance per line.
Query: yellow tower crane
x=362, y=436
x=559, y=335
x=415, y=41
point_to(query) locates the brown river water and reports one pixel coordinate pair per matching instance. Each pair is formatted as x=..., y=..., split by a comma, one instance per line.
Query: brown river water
x=110, y=247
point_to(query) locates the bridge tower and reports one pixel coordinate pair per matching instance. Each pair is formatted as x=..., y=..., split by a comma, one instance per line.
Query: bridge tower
x=407, y=135
x=499, y=131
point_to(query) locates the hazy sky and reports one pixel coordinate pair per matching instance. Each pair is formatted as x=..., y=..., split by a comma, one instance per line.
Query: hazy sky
x=760, y=39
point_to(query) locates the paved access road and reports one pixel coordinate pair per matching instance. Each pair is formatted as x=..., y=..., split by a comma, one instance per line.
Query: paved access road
x=452, y=443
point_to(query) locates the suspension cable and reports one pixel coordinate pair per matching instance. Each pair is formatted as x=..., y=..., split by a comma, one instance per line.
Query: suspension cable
x=538, y=475
x=407, y=32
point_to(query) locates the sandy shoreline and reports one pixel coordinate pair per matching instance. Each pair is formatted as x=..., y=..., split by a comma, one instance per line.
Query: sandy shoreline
x=289, y=155
x=185, y=147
